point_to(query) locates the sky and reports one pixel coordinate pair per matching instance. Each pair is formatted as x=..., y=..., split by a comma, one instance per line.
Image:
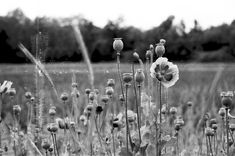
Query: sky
x=143, y=14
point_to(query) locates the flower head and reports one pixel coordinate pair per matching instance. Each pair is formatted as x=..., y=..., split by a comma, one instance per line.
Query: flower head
x=5, y=86
x=164, y=71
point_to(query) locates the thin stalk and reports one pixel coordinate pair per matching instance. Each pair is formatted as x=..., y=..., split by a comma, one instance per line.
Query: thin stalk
x=160, y=118
x=211, y=151
x=148, y=79
x=126, y=121
x=139, y=112
x=114, y=151
x=119, y=72
x=99, y=137
x=227, y=130
x=136, y=102
x=207, y=149
x=53, y=143
x=56, y=145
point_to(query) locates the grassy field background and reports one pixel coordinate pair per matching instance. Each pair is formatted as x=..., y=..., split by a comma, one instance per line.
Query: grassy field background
x=199, y=83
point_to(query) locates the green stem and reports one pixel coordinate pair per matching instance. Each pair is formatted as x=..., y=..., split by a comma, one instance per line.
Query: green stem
x=211, y=151
x=127, y=149
x=160, y=101
x=119, y=73
x=139, y=112
x=136, y=102
x=227, y=130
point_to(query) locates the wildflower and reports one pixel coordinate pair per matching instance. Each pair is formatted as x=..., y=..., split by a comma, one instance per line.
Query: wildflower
x=209, y=131
x=83, y=119
x=74, y=85
x=99, y=109
x=88, y=110
x=105, y=98
x=50, y=149
x=92, y=96
x=227, y=99
x=121, y=98
x=127, y=77
x=117, y=121
x=164, y=71
x=16, y=109
x=52, y=111
x=28, y=95
x=136, y=55
x=32, y=99
x=214, y=127
x=189, y=103
x=118, y=44
x=173, y=110
x=60, y=123
x=139, y=76
x=64, y=96
x=5, y=86
x=53, y=127
x=109, y=91
x=232, y=127
x=132, y=116
x=87, y=91
x=11, y=92
x=222, y=111
x=111, y=83
x=160, y=49
x=148, y=54
x=45, y=145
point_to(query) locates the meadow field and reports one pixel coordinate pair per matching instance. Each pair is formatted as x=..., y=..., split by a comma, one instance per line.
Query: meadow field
x=200, y=84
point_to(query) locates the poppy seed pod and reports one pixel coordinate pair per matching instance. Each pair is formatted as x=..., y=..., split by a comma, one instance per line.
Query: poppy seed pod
x=209, y=131
x=177, y=127
x=64, y=96
x=232, y=127
x=87, y=91
x=50, y=149
x=214, y=127
x=16, y=109
x=11, y=92
x=173, y=110
x=32, y=99
x=99, y=109
x=160, y=50
x=148, y=54
x=74, y=85
x=189, y=103
x=226, y=101
x=109, y=91
x=139, y=76
x=45, y=145
x=53, y=127
x=28, y=95
x=91, y=96
x=105, y=98
x=136, y=55
x=61, y=124
x=118, y=44
x=222, y=111
x=111, y=83
x=96, y=91
x=127, y=77
x=52, y=111
x=121, y=98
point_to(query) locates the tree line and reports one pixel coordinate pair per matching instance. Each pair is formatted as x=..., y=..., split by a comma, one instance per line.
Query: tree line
x=212, y=44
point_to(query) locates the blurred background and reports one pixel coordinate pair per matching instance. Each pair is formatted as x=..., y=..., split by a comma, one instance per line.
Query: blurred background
x=195, y=31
